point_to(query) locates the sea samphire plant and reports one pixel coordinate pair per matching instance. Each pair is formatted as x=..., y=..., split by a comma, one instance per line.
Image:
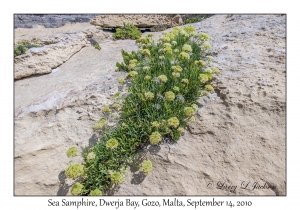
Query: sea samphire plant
x=128, y=31
x=166, y=79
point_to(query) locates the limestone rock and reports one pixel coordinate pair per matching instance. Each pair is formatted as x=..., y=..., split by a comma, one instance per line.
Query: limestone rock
x=143, y=21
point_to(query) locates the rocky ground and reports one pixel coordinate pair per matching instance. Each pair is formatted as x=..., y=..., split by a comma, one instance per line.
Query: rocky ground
x=237, y=141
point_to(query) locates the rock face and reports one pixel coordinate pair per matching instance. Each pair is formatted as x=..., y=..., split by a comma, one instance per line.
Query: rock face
x=48, y=21
x=42, y=60
x=143, y=21
x=236, y=142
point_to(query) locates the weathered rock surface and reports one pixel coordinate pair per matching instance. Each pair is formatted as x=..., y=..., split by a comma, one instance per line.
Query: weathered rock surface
x=48, y=21
x=116, y=21
x=42, y=60
x=58, y=110
x=238, y=136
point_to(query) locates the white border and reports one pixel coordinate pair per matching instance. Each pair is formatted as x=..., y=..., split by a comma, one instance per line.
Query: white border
x=8, y=201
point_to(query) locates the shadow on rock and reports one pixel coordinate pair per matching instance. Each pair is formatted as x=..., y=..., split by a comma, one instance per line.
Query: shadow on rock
x=138, y=178
x=63, y=186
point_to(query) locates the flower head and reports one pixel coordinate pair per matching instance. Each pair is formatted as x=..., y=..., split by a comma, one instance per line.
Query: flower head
x=200, y=62
x=168, y=50
x=176, y=51
x=174, y=43
x=207, y=46
x=204, y=36
x=163, y=78
x=132, y=74
x=146, y=52
x=203, y=78
x=180, y=130
x=176, y=74
x=210, y=58
x=72, y=152
x=170, y=96
x=100, y=124
x=184, y=55
x=117, y=177
x=190, y=30
x=147, y=77
x=186, y=81
x=173, y=122
x=161, y=57
x=155, y=138
x=76, y=189
x=155, y=124
x=112, y=143
x=166, y=45
x=176, y=68
x=106, y=109
x=187, y=48
x=146, y=167
x=195, y=107
x=215, y=70
x=121, y=81
x=146, y=68
x=209, y=88
x=176, y=89
x=189, y=111
x=74, y=171
x=91, y=156
x=95, y=192
x=149, y=95
x=208, y=70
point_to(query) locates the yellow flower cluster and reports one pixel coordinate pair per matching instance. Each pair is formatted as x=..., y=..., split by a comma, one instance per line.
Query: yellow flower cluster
x=195, y=107
x=149, y=96
x=207, y=46
x=174, y=43
x=176, y=51
x=189, y=111
x=176, y=68
x=166, y=45
x=200, y=62
x=175, y=74
x=203, y=78
x=190, y=30
x=77, y=189
x=146, y=52
x=74, y=171
x=147, y=77
x=102, y=122
x=161, y=57
x=170, y=96
x=186, y=81
x=173, y=122
x=146, y=167
x=146, y=68
x=204, y=36
x=168, y=50
x=163, y=78
x=187, y=48
x=155, y=124
x=117, y=177
x=180, y=130
x=155, y=138
x=106, y=109
x=184, y=55
x=91, y=156
x=121, y=81
x=72, y=152
x=209, y=88
x=176, y=89
x=112, y=143
x=215, y=70
x=208, y=70
x=210, y=58
x=96, y=192
x=132, y=74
